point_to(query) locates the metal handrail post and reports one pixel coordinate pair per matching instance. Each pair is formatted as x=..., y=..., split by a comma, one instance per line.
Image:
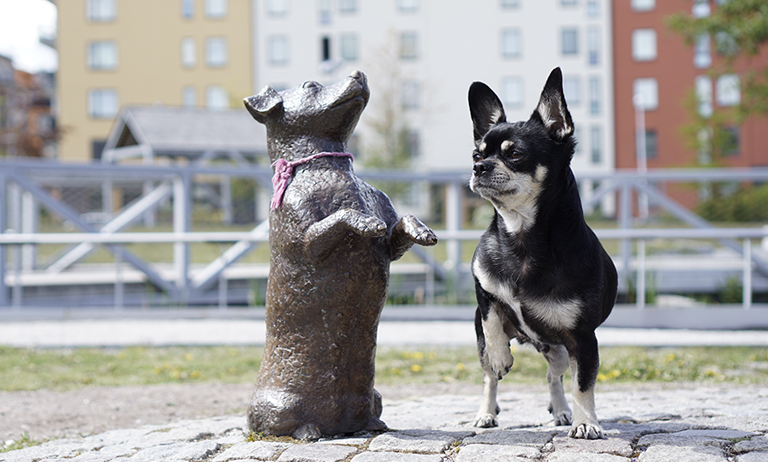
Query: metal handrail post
x=182, y=209
x=640, y=282
x=453, y=223
x=3, y=248
x=747, y=277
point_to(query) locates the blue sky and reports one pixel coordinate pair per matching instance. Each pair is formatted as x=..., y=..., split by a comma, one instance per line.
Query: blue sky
x=20, y=24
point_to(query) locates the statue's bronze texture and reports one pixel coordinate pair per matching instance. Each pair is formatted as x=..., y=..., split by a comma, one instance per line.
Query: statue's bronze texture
x=332, y=238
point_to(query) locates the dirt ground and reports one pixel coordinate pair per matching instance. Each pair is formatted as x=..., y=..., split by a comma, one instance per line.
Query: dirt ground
x=45, y=414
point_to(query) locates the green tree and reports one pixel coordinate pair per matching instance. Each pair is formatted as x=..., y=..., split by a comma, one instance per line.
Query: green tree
x=739, y=31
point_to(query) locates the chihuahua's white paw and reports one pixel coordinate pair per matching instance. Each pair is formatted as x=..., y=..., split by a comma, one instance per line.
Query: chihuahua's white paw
x=562, y=417
x=486, y=421
x=586, y=431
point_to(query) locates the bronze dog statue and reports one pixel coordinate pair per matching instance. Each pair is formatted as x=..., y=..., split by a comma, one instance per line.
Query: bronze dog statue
x=332, y=238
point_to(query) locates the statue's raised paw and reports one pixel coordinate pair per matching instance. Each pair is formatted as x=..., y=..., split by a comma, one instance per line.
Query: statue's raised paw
x=419, y=232
x=365, y=225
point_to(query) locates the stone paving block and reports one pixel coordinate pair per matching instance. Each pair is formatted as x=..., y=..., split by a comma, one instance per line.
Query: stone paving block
x=396, y=457
x=719, y=438
x=421, y=441
x=496, y=453
x=106, y=454
x=758, y=443
x=316, y=453
x=347, y=441
x=584, y=457
x=513, y=438
x=57, y=449
x=263, y=450
x=753, y=457
x=666, y=453
x=176, y=451
x=607, y=445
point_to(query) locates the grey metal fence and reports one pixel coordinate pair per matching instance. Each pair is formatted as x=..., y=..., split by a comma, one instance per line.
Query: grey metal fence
x=125, y=235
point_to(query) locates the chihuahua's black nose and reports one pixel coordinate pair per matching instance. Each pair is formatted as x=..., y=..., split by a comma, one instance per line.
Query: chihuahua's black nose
x=482, y=167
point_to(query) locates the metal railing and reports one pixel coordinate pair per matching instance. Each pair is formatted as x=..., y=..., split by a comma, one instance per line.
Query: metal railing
x=25, y=186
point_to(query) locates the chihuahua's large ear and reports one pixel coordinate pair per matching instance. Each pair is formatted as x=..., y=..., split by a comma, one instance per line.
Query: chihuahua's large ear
x=552, y=108
x=485, y=108
x=261, y=105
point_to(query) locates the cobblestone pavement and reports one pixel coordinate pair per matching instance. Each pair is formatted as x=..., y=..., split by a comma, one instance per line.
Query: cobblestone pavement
x=697, y=425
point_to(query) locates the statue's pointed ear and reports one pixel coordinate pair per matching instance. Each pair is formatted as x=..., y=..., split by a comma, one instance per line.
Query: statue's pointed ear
x=261, y=105
x=485, y=108
x=552, y=109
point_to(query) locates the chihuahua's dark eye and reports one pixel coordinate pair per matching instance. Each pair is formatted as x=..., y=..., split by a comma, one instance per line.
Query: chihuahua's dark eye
x=515, y=154
x=476, y=157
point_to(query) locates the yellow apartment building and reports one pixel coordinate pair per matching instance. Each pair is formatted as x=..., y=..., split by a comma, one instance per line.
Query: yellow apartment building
x=114, y=53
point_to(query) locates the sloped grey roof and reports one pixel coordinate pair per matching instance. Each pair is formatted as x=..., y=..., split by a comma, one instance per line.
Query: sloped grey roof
x=187, y=131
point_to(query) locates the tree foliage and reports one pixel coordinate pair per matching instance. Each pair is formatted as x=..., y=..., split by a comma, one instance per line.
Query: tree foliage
x=739, y=29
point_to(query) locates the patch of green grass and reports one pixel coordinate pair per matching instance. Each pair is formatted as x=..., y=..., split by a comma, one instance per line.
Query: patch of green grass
x=23, y=442
x=31, y=369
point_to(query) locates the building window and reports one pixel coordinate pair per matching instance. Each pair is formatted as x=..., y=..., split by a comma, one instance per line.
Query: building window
x=409, y=96
x=569, y=41
x=325, y=49
x=646, y=93
x=347, y=6
x=408, y=6
x=216, y=9
x=512, y=92
x=727, y=90
x=595, y=95
x=593, y=8
x=277, y=7
x=187, y=9
x=643, y=5
x=325, y=11
x=593, y=45
x=651, y=144
x=277, y=50
x=216, y=52
x=216, y=98
x=102, y=55
x=189, y=96
x=511, y=43
x=703, y=86
x=700, y=8
x=413, y=143
x=102, y=103
x=348, y=43
x=731, y=142
x=101, y=10
x=409, y=45
x=596, y=144
x=725, y=44
x=188, y=52
x=572, y=89
x=510, y=3
x=702, y=57
x=644, y=44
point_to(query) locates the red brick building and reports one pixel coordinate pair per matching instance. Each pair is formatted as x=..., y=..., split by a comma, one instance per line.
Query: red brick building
x=652, y=60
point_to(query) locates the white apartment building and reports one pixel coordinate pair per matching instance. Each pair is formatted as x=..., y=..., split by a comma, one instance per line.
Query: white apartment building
x=425, y=54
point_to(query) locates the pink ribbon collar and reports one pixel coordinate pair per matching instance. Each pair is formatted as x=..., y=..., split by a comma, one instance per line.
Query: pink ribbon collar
x=284, y=172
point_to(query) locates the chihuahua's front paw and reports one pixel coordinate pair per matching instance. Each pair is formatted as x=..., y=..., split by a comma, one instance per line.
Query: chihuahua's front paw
x=586, y=431
x=561, y=416
x=486, y=421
